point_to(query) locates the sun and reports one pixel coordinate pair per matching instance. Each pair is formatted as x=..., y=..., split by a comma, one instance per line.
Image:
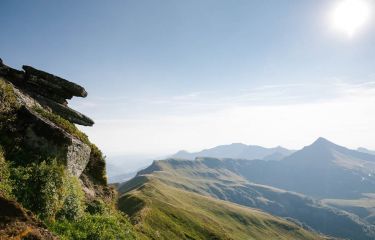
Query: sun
x=349, y=16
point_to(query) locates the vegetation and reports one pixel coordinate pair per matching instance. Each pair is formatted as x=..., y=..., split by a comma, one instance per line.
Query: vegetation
x=42, y=188
x=160, y=211
x=363, y=207
x=213, y=178
x=63, y=123
x=5, y=183
x=96, y=166
x=108, y=226
x=39, y=180
x=8, y=99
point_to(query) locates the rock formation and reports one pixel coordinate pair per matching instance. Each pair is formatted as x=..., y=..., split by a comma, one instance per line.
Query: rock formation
x=41, y=99
x=48, y=166
x=48, y=90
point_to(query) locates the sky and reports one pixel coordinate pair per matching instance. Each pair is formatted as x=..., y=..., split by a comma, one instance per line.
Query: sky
x=167, y=75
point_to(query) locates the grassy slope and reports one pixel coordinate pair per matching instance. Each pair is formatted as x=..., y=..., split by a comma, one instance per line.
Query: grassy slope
x=209, y=178
x=164, y=212
x=363, y=207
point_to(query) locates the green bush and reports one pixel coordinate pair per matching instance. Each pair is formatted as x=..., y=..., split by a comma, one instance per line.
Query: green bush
x=8, y=99
x=114, y=226
x=74, y=203
x=96, y=166
x=96, y=207
x=5, y=183
x=40, y=187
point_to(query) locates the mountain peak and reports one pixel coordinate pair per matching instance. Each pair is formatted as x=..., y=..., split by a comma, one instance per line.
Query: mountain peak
x=323, y=142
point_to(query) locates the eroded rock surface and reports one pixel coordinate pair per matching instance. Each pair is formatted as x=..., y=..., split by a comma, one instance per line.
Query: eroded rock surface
x=42, y=100
x=48, y=90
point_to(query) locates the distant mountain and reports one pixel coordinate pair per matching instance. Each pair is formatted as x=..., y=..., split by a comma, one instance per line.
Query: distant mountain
x=322, y=170
x=167, y=192
x=365, y=150
x=238, y=151
x=121, y=177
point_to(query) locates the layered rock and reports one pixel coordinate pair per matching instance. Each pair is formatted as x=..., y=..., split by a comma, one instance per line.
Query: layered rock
x=41, y=98
x=49, y=90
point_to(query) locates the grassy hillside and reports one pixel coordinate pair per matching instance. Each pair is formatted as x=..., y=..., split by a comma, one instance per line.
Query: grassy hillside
x=211, y=177
x=363, y=207
x=160, y=211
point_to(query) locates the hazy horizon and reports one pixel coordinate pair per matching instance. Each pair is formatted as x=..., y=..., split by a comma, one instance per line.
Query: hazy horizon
x=164, y=77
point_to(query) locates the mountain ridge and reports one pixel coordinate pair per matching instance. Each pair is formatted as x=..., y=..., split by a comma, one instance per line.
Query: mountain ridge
x=217, y=178
x=237, y=150
x=190, y=215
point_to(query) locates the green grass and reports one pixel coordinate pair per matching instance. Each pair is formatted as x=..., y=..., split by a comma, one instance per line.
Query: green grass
x=212, y=180
x=8, y=99
x=5, y=182
x=63, y=123
x=160, y=211
x=113, y=226
x=363, y=207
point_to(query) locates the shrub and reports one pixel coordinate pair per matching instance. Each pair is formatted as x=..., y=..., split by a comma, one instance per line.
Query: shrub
x=96, y=166
x=5, y=183
x=8, y=99
x=40, y=187
x=114, y=226
x=96, y=206
x=74, y=205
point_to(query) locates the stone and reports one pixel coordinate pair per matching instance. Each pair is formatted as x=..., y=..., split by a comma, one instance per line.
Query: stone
x=54, y=81
x=46, y=137
x=65, y=112
x=48, y=90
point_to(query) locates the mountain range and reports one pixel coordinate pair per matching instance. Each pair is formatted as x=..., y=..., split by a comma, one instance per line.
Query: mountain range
x=323, y=188
x=365, y=150
x=322, y=170
x=237, y=151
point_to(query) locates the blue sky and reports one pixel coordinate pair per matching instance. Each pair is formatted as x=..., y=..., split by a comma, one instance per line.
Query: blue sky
x=164, y=75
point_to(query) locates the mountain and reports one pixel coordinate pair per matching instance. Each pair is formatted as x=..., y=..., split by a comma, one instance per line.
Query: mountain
x=121, y=177
x=219, y=179
x=363, y=207
x=237, y=151
x=322, y=169
x=163, y=211
x=365, y=150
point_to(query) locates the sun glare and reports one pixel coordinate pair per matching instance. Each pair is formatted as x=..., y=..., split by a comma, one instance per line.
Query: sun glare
x=350, y=15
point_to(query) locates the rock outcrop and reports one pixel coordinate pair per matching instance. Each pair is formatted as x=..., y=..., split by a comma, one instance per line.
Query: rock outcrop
x=48, y=166
x=48, y=90
x=44, y=121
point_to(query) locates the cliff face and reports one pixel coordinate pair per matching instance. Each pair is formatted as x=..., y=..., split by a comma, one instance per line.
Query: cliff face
x=50, y=167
